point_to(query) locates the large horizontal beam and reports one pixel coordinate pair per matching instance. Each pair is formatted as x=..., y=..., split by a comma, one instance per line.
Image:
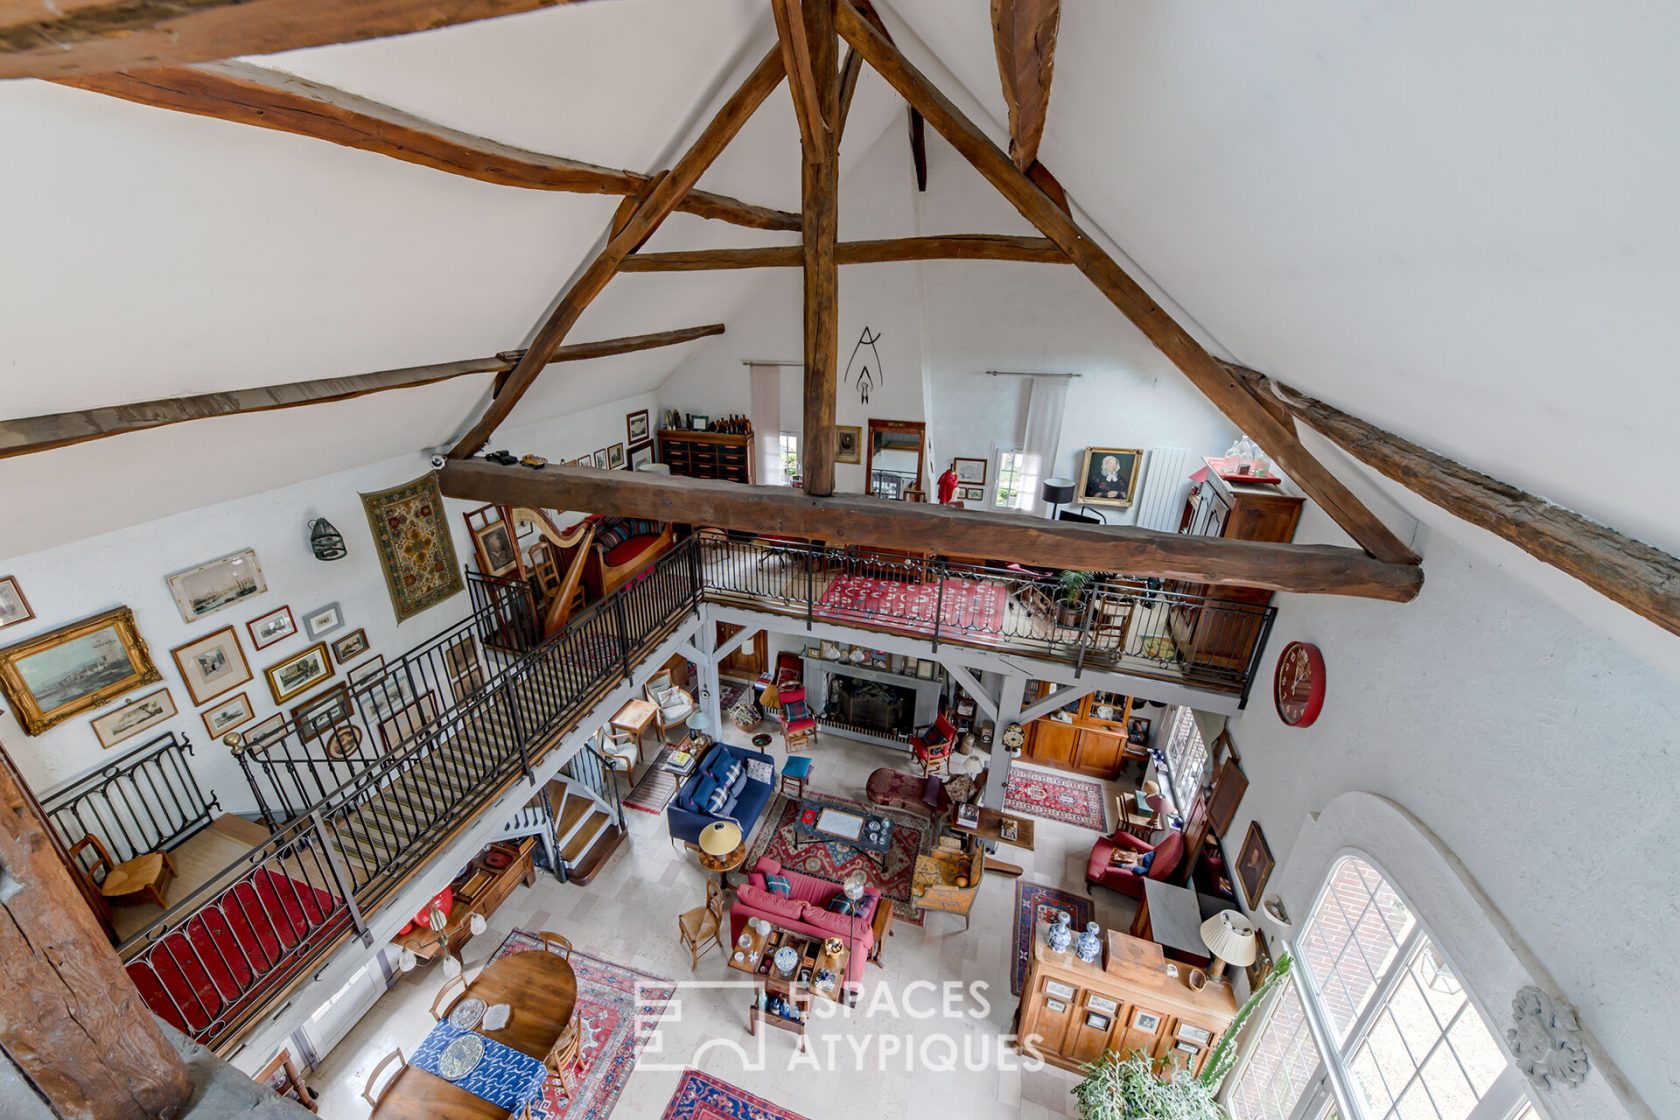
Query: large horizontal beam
x=42, y=39
x=43, y=433
x=954, y=247
x=917, y=526
x=1643, y=579
x=241, y=93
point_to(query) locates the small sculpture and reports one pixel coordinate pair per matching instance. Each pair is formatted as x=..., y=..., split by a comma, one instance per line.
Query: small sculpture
x=1546, y=1040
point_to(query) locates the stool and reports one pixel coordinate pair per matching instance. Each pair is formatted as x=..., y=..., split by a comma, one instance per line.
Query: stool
x=795, y=774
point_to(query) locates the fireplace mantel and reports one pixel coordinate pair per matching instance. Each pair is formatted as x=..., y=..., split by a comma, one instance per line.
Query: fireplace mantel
x=818, y=672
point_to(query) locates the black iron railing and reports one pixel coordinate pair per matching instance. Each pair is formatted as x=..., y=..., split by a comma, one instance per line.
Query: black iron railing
x=147, y=800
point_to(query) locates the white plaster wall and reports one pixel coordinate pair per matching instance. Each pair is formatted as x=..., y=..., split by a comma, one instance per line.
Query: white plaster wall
x=1538, y=752
x=127, y=567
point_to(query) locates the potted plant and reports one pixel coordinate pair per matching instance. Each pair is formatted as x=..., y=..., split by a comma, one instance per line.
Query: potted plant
x=1072, y=590
x=1117, y=1088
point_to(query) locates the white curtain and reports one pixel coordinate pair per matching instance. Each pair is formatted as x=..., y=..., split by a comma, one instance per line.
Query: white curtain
x=1042, y=437
x=766, y=405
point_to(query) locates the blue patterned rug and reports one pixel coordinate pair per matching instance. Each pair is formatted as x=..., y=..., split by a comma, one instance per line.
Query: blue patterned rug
x=700, y=1096
x=1036, y=903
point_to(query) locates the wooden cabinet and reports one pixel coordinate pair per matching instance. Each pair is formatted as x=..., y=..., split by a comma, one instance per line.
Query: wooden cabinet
x=1087, y=736
x=725, y=455
x=479, y=889
x=1123, y=1002
x=1205, y=635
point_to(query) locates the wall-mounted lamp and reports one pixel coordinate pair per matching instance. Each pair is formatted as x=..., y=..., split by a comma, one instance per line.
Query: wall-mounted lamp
x=325, y=542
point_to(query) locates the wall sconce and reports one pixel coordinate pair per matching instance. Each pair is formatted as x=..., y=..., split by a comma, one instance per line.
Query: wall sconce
x=325, y=542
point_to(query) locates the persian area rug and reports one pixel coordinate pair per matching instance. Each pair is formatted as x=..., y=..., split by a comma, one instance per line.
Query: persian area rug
x=1056, y=797
x=617, y=1009
x=1035, y=903
x=411, y=536
x=700, y=1096
x=962, y=604
x=655, y=790
x=833, y=861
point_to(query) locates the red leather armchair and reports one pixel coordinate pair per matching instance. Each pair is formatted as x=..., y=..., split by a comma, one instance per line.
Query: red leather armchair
x=1099, y=872
x=934, y=746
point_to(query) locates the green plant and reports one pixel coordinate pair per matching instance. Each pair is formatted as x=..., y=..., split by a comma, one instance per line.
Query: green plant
x=1072, y=584
x=1117, y=1088
x=1224, y=1055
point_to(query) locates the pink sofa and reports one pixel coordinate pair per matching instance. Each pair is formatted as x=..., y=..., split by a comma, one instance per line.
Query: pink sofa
x=802, y=911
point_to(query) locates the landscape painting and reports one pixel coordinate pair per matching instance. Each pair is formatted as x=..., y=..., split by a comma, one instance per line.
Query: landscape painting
x=295, y=674
x=131, y=719
x=212, y=665
x=75, y=668
x=215, y=586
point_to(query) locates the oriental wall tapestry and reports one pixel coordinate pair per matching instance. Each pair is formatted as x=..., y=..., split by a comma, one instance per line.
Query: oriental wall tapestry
x=411, y=535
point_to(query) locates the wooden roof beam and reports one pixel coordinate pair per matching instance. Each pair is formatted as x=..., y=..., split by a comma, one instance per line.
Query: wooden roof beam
x=241, y=93
x=944, y=247
x=921, y=527
x=1024, y=37
x=62, y=429
x=819, y=193
x=1641, y=578
x=1202, y=368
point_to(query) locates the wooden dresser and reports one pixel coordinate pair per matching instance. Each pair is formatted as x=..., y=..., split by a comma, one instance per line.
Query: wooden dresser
x=1125, y=1002
x=724, y=455
x=1089, y=739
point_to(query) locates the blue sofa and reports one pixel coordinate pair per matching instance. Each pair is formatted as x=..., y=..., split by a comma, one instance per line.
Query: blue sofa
x=686, y=816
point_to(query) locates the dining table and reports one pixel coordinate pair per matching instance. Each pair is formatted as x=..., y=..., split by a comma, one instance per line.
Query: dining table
x=540, y=990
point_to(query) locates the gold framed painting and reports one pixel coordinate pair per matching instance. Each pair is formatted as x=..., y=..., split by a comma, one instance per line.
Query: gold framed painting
x=1108, y=476
x=75, y=669
x=299, y=673
x=134, y=717
x=212, y=665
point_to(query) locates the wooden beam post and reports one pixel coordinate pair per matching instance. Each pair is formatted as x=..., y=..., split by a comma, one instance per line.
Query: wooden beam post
x=1203, y=370
x=1024, y=37
x=922, y=528
x=820, y=224
x=1641, y=578
x=70, y=1018
x=667, y=192
x=946, y=247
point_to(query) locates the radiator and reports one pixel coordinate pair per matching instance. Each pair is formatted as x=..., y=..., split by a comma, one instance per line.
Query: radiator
x=1166, y=482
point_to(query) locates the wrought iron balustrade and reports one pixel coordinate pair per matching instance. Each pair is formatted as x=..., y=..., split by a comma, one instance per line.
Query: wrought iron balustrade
x=146, y=800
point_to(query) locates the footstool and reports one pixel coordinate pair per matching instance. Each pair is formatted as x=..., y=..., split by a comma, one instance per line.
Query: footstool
x=795, y=773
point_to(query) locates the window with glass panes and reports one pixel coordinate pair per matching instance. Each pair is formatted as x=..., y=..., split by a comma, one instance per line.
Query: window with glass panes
x=1017, y=480
x=787, y=455
x=1187, y=756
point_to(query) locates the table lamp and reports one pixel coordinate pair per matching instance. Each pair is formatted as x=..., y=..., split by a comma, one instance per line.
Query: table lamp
x=720, y=838
x=1230, y=938
x=1058, y=492
x=698, y=724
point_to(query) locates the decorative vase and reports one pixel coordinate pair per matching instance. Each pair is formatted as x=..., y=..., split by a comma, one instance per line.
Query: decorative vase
x=1061, y=934
x=1089, y=948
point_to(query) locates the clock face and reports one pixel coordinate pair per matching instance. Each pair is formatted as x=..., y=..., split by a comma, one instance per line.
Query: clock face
x=1014, y=736
x=1298, y=688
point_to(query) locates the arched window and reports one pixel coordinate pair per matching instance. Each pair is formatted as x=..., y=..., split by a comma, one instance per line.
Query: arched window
x=1374, y=1009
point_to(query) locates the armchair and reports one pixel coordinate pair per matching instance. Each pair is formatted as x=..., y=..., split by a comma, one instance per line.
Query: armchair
x=933, y=746
x=948, y=881
x=799, y=725
x=1100, y=870
x=674, y=705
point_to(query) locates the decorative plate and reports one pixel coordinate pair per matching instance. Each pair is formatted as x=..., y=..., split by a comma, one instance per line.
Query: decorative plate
x=497, y=1017
x=496, y=860
x=342, y=741
x=467, y=1013
x=461, y=1057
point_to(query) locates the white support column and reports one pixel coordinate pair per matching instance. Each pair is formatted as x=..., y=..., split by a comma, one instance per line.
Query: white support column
x=703, y=654
x=986, y=701
x=1009, y=711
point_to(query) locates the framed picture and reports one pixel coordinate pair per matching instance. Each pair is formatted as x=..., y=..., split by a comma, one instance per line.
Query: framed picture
x=599, y=460
x=1108, y=476
x=1201, y=1036
x=402, y=728
x=640, y=455
x=636, y=426
x=1255, y=864
x=217, y=585
x=298, y=673
x=615, y=457
x=366, y=671
x=351, y=646
x=74, y=669
x=13, y=606
x=698, y=421
x=1137, y=730
x=316, y=715
x=1229, y=785
x=1262, y=966
x=272, y=627
x=323, y=620
x=1098, y=1022
x=272, y=729
x=134, y=717
x=970, y=472
x=1146, y=1021
x=466, y=672
x=494, y=545
x=212, y=665
x=227, y=715
x=343, y=740
x=848, y=444
x=971, y=493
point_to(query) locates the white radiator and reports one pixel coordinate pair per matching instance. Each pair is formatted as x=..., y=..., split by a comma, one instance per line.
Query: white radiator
x=1166, y=482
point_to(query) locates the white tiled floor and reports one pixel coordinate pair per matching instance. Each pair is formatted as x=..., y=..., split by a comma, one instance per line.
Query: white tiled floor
x=628, y=915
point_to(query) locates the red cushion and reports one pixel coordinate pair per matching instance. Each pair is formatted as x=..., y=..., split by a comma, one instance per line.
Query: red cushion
x=629, y=550
x=838, y=925
x=773, y=906
x=767, y=866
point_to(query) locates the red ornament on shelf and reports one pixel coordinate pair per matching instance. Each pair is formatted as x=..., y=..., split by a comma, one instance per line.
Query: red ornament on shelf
x=1298, y=687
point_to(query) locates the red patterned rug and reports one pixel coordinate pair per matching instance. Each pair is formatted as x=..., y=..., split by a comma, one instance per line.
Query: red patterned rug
x=1056, y=797
x=832, y=862
x=962, y=604
x=617, y=1009
x=700, y=1096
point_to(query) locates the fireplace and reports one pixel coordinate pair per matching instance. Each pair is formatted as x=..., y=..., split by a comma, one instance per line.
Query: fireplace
x=870, y=704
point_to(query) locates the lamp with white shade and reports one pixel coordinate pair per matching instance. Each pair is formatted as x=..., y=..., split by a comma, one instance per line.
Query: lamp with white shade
x=698, y=724
x=720, y=848
x=1230, y=938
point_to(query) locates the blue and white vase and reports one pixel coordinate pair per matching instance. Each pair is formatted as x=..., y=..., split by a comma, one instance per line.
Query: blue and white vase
x=1089, y=948
x=1060, y=935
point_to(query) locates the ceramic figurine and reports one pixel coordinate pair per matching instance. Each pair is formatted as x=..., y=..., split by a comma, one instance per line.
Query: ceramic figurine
x=1061, y=934
x=1089, y=948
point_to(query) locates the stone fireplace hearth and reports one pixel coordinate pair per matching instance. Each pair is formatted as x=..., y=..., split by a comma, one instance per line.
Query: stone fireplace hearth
x=873, y=705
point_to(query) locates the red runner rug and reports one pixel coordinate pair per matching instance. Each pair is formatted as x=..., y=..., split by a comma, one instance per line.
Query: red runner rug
x=1056, y=797
x=961, y=604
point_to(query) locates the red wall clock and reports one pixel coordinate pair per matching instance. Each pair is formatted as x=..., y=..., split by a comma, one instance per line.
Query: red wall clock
x=1298, y=688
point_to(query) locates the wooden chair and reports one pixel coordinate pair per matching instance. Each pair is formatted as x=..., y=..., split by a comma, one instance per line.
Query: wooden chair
x=948, y=881
x=373, y=1098
x=454, y=986
x=281, y=1074
x=563, y=1058
x=882, y=928
x=145, y=875
x=701, y=928
x=556, y=943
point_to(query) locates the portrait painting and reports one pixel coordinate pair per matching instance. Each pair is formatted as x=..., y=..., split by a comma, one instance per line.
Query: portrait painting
x=1108, y=476
x=848, y=443
x=1254, y=865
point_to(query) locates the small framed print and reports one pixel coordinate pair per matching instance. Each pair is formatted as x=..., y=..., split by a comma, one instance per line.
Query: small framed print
x=600, y=459
x=1102, y=1003
x=275, y=626
x=641, y=455
x=217, y=585
x=270, y=730
x=615, y=457
x=466, y=672
x=323, y=620
x=972, y=493
x=366, y=671
x=636, y=426
x=131, y=719
x=227, y=715
x=407, y=724
x=970, y=472
x=351, y=646
x=315, y=716
x=14, y=608
x=1201, y=1036
x=1058, y=989
x=1146, y=1021
x=1098, y=1022
x=299, y=673
x=212, y=665
x=497, y=554
x=848, y=443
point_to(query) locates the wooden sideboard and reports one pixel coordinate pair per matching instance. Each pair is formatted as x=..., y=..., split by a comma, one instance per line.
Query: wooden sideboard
x=478, y=890
x=725, y=455
x=1124, y=1002
x=1091, y=739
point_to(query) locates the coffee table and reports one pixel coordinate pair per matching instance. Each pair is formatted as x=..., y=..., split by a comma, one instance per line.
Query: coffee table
x=866, y=833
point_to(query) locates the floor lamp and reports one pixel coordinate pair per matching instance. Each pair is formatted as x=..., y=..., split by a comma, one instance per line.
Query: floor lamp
x=1058, y=492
